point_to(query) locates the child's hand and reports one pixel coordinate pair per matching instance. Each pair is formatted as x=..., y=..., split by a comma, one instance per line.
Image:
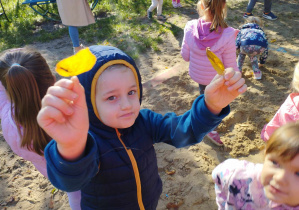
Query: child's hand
x=64, y=117
x=223, y=89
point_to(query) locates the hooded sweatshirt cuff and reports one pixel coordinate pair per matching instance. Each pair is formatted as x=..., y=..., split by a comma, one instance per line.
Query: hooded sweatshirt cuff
x=206, y=116
x=57, y=164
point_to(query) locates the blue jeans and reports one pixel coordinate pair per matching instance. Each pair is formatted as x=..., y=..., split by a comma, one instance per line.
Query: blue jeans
x=74, y=34
x=267, y=6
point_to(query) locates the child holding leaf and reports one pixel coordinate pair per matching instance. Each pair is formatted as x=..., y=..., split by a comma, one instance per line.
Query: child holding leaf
x=103, y=141
x=210, y=30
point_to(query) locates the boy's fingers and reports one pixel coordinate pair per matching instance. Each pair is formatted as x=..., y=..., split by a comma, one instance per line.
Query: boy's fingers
x=79, y=90
x=62, y=93
x=233, y=79
x=48, y=114
x=229, y=72
x=60, y=104
x=237, y=85
x=242, y=89
x=65, y=83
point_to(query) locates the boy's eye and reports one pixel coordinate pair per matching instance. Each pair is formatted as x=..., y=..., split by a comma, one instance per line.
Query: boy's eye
x=132, y=92
x=111, y=98
x=297, y=173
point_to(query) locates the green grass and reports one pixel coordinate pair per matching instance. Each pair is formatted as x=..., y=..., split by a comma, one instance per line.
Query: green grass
x=121, y=23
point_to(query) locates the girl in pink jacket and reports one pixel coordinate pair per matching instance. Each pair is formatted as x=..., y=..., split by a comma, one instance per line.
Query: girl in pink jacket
x=24, y=79
x=289, y=110
x=210, y=30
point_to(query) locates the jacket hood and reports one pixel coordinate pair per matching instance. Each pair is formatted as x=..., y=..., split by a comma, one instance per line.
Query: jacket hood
x=98, y=58
x=251, y=26
x=203, y=37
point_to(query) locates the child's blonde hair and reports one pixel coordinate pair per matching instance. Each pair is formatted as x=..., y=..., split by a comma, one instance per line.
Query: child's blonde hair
x=217, y=9
x=255, y=20
x=285, y=142
x=295, y=81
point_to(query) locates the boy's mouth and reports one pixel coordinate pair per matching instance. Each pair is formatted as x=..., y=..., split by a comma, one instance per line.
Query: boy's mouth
x=127, y=114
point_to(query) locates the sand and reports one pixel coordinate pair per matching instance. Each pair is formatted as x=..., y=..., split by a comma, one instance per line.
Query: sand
x=186, y=172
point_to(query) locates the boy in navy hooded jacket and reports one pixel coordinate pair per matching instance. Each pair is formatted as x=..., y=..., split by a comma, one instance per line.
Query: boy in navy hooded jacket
x=103, y=142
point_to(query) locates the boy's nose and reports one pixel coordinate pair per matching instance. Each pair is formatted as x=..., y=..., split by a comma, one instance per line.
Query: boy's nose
x=125, y=103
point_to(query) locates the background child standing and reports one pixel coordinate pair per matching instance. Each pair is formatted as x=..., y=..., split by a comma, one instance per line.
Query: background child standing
x=252, y=41
x=25, y=77
x=240, y=184
x=103, y=141
x=210, y=30
x=267, y=10
x=156, y=4
x=289, y=110
x=75, y=13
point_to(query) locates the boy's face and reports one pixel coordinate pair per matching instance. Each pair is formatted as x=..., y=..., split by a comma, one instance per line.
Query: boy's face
x=117, y=99
x=281, y=179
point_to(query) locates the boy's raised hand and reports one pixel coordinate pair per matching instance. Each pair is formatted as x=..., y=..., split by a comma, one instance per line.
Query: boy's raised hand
x=223, y=89
x=64, y=117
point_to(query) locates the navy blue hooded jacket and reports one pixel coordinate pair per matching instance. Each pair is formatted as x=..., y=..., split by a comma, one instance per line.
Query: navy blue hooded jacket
x=119, y=167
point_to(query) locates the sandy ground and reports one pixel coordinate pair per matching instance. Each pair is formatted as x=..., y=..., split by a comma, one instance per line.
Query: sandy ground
x=168, y=87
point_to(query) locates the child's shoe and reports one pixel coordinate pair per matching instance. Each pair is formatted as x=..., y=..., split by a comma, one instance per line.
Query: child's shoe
x=257, y=75
x=269, y=16
x=77, y=49
x=215, y=138
x=161, y=17
x=174, y=4
x=246, y=15
x=149, y=15
x=179, y=5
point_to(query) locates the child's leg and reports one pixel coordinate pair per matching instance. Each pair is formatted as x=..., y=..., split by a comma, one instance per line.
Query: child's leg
x=241, y=58
x=267, y=6
x=254, y=63
x=250, y=6
x=253, y=52
x=153, y=6
x=159, y=7
x=179, y=3
x=74, y=34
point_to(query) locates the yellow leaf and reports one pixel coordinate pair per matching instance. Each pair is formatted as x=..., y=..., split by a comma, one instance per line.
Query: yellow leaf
x=76, y=64
x=215, y=61
x=272, y=40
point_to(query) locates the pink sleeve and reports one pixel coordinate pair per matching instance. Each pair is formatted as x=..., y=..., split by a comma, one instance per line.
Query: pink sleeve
x=229, y=54
x=3, y=97
x=281, y=117
x=185, y=50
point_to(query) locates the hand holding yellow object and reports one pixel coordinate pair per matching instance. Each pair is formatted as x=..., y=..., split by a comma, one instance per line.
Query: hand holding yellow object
x=76, y=64
x=215, y=61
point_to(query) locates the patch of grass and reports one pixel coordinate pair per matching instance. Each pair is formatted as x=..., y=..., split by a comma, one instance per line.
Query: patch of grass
x=121, y=23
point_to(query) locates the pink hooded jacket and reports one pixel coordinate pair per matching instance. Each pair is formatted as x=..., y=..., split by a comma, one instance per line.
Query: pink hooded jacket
x=197, y=38
x=12, y=137
x=288, y=112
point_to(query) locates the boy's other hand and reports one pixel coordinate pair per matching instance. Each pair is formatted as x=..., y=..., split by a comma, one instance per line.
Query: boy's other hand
x=223, y=89
x=64, y=117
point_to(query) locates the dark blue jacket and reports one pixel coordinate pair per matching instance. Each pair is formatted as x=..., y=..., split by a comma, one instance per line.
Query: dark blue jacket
x=106, y=174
